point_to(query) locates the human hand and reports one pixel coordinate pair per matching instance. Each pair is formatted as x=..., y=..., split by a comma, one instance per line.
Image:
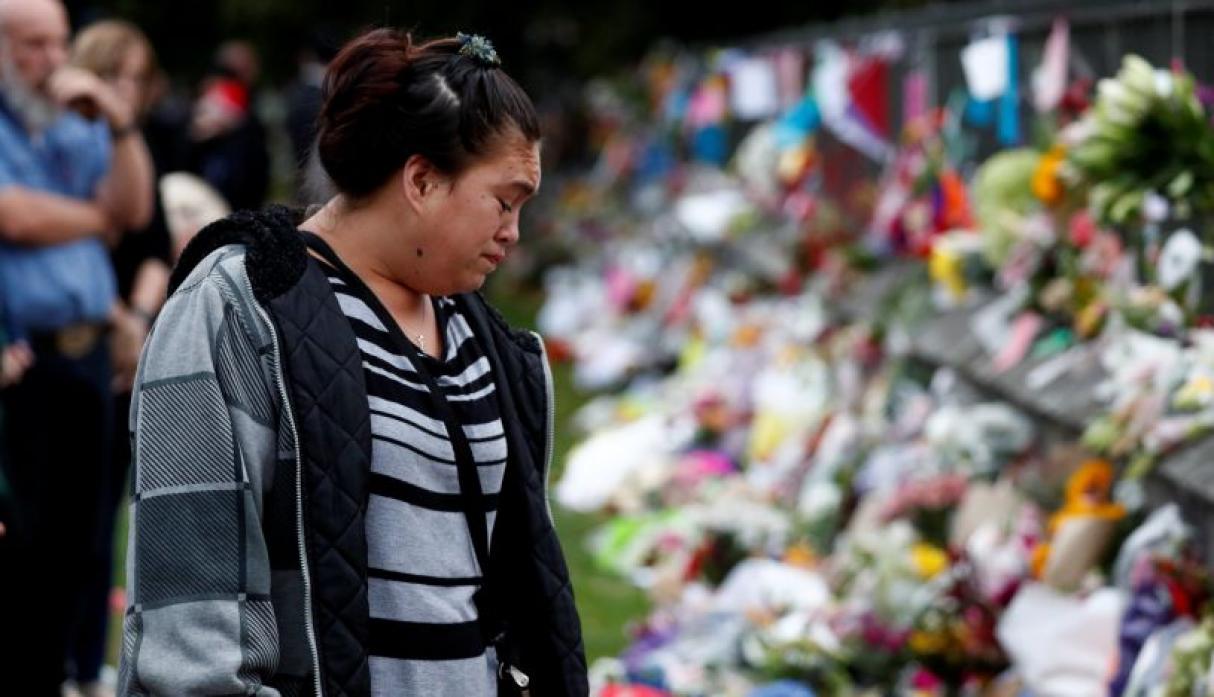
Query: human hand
x=15, y=359
x=128, y=332
x=84, y=92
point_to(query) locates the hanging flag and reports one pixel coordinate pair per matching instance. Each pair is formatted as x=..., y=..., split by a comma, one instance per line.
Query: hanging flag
x=754, y=93
x=676, y=105
x=829, y=80
x=1008, y=129
x=708, y=104
x=711, y=144
x=1049, y=79
x=790, y=76
x=830, y=84
x=798, y=123
x=868, y=87
x=980, y=113
x=914, y=96
x=985, y=64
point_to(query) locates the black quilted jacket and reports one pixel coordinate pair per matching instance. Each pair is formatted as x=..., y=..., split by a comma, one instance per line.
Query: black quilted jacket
x=314, y=508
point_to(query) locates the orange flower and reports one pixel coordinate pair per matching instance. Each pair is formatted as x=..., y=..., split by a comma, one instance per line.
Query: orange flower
x=956, y=208
x=1047, y=187
x=1040, y=555
x=1091, y=482
x=1087, y=495
x=801, y=555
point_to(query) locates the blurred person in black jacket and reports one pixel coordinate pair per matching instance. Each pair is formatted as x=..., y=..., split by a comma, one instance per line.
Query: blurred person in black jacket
x=227, y=141
x=304, y=97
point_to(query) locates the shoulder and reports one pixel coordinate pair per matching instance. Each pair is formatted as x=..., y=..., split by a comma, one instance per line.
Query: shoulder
x=199, y=311
x=215, y=290
x=220, y=268
x=275, y=256
x=488, y=319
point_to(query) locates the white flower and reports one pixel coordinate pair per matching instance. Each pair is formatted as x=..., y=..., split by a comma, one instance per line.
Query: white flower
x=1155, y=208
x=1164, y=83
x=1179, y=259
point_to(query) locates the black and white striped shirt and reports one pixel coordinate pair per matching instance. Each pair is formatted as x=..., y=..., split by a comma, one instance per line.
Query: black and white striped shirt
x=422, y=567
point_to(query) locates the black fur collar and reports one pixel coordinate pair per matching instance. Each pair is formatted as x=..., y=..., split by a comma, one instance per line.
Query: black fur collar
x=277, y=256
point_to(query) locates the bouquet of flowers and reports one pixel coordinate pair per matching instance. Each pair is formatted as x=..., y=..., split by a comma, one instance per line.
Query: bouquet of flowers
x=1146, y=133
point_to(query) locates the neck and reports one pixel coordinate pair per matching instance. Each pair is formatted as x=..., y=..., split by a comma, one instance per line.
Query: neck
x=358, y=235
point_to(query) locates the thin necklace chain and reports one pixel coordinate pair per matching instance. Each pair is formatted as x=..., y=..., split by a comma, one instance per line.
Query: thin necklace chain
x=420, y=342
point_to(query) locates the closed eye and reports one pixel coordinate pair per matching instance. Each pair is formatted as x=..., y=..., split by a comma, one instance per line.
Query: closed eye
x=506, y=207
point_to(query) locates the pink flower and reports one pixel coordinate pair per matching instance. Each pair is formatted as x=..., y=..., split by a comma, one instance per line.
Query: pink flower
x=632, y=691
x=1083, y=229
x=935, y=492
x=699, y=465
x=925, y=680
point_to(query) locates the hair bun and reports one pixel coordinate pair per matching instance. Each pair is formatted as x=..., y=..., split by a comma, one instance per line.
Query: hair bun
x=388, y=98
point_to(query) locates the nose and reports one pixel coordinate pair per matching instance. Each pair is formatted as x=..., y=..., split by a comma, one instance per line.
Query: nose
x=56, y=55
x=508, y=234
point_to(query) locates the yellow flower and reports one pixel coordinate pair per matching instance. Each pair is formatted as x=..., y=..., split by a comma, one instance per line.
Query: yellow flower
x=795, y=162
x=929, y=560
x=926, y=643
x=1195, y=393
x=945, y=267
x=801, y=555
x=767, y=432
x=630, y=410
x=694, y=350
x=1090, y=319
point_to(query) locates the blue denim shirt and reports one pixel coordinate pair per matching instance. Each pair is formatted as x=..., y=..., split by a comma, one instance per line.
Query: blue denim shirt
x=48, y=287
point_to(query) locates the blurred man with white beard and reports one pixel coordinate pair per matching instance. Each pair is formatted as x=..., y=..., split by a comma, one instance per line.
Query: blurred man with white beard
x=73, y=172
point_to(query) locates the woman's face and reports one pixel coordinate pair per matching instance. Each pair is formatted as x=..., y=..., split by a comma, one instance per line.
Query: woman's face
x=131, y=78
x=471, y=223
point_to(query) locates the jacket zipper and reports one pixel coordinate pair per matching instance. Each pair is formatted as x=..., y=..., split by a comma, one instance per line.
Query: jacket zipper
x=309, y=630
x=551, y=424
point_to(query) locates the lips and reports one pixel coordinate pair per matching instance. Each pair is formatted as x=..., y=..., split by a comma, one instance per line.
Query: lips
x=497, y=259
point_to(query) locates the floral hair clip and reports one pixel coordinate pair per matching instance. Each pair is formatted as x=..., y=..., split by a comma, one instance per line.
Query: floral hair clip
x=479, y=48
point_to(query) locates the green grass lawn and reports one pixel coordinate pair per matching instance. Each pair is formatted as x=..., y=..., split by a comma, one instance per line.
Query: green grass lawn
x=605, y=601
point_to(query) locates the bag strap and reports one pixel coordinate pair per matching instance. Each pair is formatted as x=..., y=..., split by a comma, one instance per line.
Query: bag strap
x=471, y=494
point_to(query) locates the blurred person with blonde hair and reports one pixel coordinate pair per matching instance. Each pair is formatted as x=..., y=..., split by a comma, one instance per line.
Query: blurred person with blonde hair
x=121, y=55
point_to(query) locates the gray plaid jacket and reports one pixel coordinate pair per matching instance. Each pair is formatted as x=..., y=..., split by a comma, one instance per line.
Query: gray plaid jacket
x=204, y=615
x=246, y=559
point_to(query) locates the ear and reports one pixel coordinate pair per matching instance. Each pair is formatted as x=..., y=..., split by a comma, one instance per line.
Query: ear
x=419, y=180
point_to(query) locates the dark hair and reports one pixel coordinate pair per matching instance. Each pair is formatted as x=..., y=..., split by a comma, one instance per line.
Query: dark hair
x=387, y=99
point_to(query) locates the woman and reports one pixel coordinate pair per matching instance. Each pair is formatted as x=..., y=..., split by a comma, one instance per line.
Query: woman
x=121, y=55
x=341, y=451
